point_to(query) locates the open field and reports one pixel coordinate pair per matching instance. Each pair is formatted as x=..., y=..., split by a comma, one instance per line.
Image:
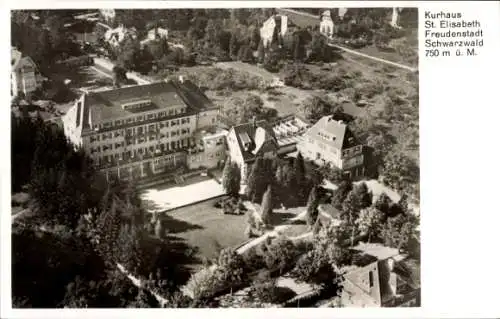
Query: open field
x=205, y=227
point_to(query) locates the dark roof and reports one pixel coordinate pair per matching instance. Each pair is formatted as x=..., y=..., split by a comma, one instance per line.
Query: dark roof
x=105, y=105
x=338, y=134
x=248, y=131
x=193, y=95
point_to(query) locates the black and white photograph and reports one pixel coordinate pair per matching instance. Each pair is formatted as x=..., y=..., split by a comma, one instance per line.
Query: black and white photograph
x=232, y=157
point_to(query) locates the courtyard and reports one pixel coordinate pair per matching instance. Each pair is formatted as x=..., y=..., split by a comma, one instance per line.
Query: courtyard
x=206, y=228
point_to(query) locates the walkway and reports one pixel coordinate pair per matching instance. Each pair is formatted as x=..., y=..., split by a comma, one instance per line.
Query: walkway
x=399, y=65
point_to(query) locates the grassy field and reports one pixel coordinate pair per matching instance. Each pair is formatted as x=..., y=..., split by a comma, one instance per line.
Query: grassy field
x=206, y=228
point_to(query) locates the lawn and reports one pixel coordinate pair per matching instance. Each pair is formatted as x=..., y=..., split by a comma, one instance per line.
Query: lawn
x=206, y=228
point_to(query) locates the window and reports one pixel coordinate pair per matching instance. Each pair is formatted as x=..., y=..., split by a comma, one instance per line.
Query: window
x=370, y=277
x=151, y=116
x=166, y=124
x=162, y=125
x=130, y=120
x=117, y=134
x=170, y=112
x=118, y=122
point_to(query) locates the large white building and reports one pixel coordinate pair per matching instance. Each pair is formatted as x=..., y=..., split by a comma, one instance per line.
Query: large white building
x=145, y=130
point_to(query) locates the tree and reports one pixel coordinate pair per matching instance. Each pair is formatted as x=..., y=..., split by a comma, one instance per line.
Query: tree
x=234, y=45
x=315, y=107
x=312, y=206
x=340, y=194
x=398, y=231
x=399, y=171
x=280, y=254
x=257, y=181
x=261, y=52
x=267, y=206
x=119, y=76
x=298, y=48
x=357, y=199
x=383, y=203
x=231, y=267
x=369, y=222
x=231, y=178
x=299, y=172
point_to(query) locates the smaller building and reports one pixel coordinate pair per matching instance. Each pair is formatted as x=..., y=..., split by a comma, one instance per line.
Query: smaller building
x=331, y=142
x=288, y=132
x=246, y=142
x=385, y=280
x=326, y=25
x=208, y=150
x=24, y=77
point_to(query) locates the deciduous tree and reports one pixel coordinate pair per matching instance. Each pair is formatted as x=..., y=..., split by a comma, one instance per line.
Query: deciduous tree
x=231, y=178
x=369, y=222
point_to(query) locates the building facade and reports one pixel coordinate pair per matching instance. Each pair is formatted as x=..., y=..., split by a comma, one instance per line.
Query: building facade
x=23, y=77
x=140, y=131
x=330, y=142
x=246, y=142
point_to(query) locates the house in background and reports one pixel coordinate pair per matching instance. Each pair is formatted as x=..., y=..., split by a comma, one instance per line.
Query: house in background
x=24, y=76
x=331, y=142
x=395, y=17
x=154, y=35
x=326, y=25
x=248, y=141
x=278, y=25
x=108, y=15
x=116, y=36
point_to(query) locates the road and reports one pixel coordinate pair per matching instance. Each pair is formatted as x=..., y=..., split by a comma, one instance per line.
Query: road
x=399, y=65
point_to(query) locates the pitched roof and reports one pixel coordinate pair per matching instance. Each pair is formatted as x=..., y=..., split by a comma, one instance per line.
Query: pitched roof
x=107, y=105
x=334, y=133
x=246, y=133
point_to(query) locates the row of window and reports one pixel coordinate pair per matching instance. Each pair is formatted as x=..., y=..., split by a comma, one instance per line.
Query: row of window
x=142, y=118
x=152, y=128
x=352, y=151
